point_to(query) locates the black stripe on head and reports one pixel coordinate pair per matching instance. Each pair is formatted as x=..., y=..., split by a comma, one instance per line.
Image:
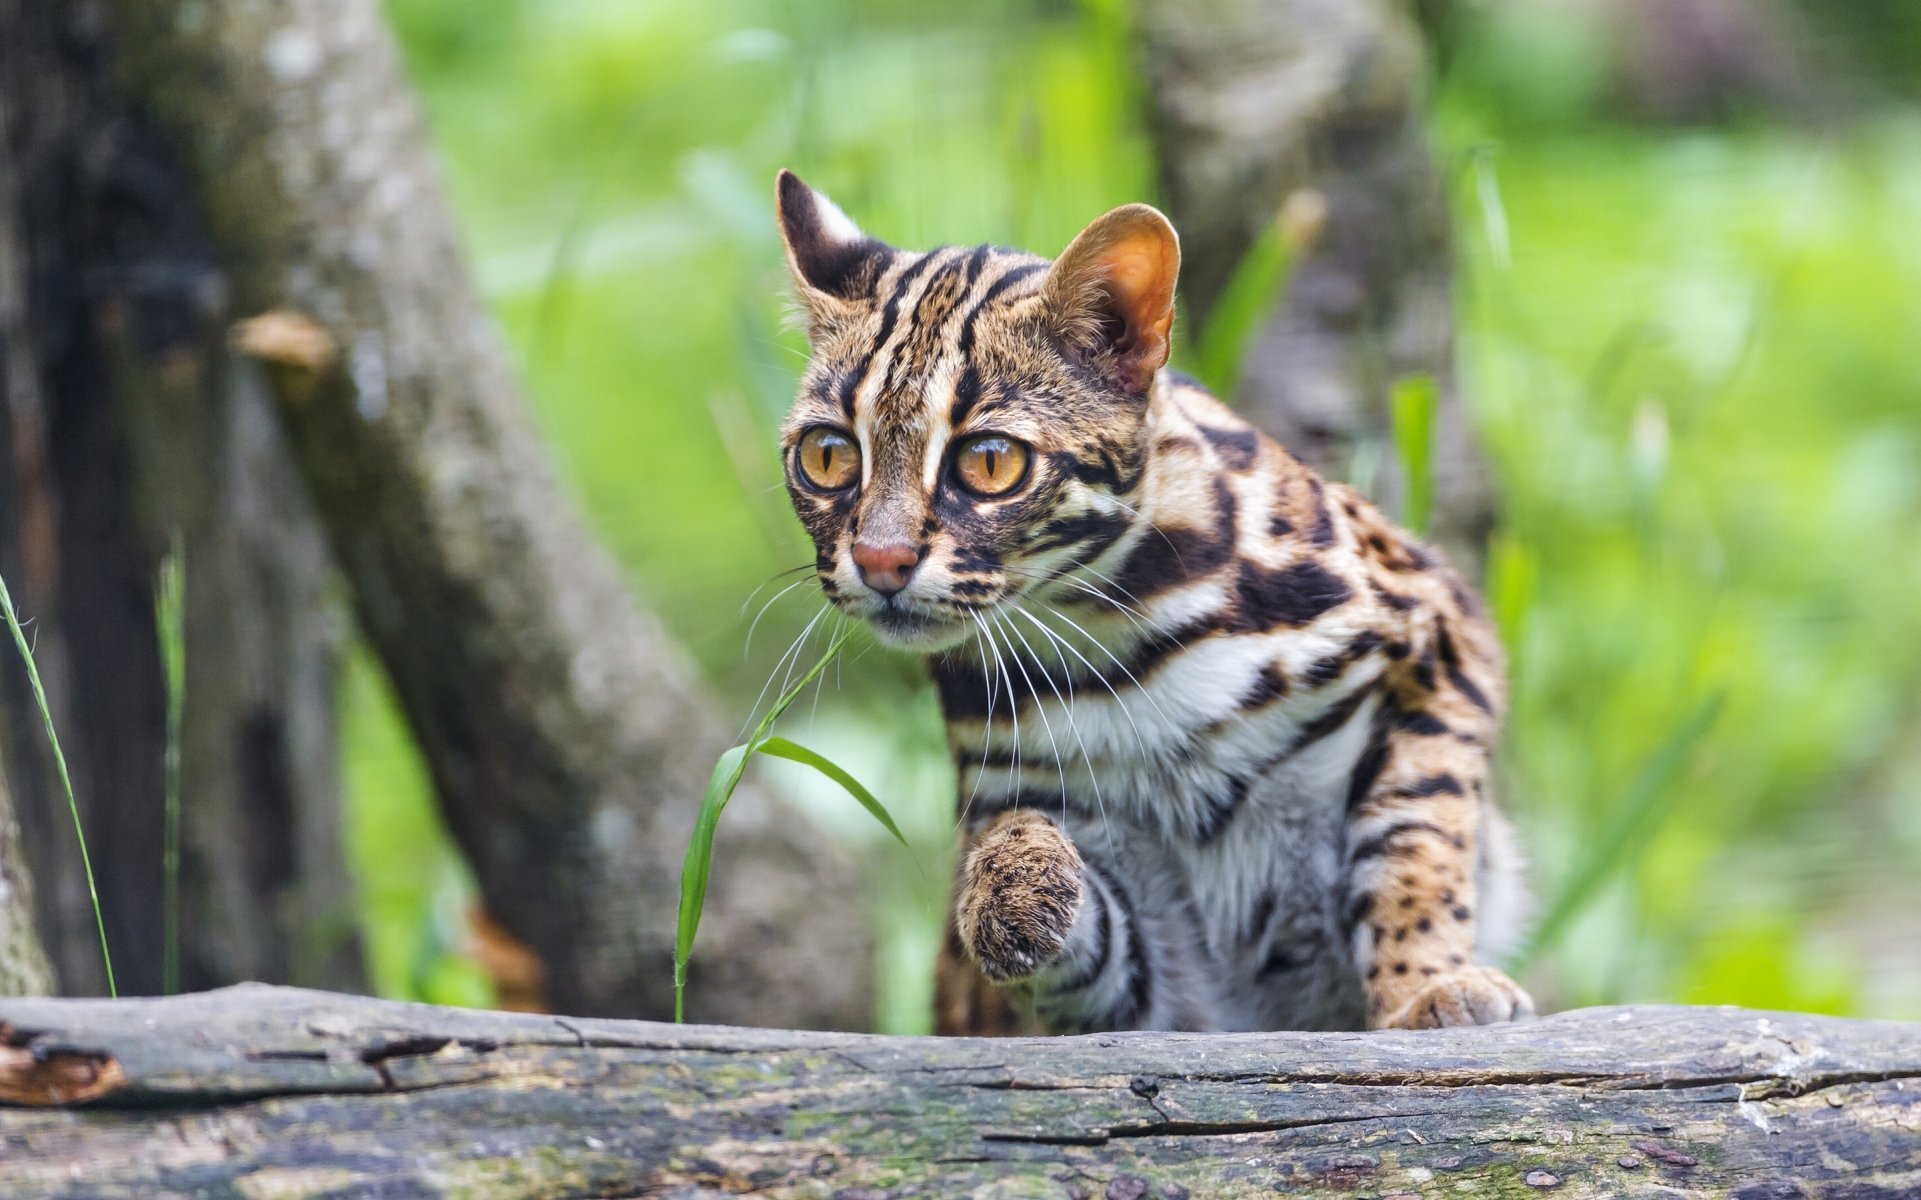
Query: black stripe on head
x=975, y=262
x=964, y=341
x=1118, y=475
x=925, y=326
x=890, y=314
x=974, y=558
x=1101, y=527
x=967, y=393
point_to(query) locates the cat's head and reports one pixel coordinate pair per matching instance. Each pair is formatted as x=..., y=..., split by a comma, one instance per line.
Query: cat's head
x=970, y=426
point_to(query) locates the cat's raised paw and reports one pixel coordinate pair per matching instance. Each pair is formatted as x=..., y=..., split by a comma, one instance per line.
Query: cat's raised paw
x=1471, y=995
x=1020, y=889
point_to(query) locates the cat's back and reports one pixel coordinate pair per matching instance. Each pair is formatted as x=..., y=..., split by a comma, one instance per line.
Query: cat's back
x=1314, y=555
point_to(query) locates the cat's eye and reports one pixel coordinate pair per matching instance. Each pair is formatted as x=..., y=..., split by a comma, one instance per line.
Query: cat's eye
x=990, y=464
x=829, y=459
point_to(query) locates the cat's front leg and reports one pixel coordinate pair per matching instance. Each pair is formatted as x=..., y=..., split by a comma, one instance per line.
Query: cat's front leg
x=1414, y=837
x=1020, y=891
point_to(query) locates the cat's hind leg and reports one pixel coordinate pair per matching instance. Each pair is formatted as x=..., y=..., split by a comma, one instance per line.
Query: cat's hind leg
x=1417, y=817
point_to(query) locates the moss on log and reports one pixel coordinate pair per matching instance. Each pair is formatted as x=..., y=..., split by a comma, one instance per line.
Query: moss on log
x=262, y=1092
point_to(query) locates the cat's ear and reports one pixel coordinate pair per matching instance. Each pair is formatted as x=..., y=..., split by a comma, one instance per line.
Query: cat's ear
x=833, y=262
x=1111, y=293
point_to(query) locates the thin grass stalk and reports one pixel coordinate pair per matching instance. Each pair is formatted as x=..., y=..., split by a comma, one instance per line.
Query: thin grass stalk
x=66, y=780
x=172, y=620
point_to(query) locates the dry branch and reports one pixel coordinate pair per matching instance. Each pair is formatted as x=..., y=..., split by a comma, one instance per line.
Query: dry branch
x=276, y=1092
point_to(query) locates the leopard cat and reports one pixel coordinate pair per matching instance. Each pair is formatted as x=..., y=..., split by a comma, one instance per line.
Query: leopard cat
x=1222, y=730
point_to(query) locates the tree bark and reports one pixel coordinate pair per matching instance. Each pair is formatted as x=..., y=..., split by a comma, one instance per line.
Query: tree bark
x=125, y=431
x=78, y=571
x=274, y=1092
x=24, y=970
x=567, y=737
x=1312, y=108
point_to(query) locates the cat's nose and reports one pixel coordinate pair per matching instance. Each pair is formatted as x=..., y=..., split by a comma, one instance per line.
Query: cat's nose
x=885, y=568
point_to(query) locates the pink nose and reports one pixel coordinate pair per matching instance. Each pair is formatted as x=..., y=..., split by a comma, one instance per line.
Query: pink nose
x=885, y=568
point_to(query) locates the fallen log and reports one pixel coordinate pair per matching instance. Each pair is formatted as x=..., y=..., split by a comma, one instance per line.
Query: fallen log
x=262, y=1092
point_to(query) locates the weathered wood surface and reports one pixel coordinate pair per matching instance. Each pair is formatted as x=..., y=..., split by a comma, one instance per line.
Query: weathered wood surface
x=266, y=1092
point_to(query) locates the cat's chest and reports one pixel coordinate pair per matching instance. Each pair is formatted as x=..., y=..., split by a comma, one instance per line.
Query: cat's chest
x=1194, y=767
x=1247, y=921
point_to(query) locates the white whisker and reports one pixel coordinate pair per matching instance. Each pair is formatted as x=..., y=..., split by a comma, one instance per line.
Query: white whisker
x=1093, y=774
x=1125, y=670
x=747, y=649
x=1041, y=708
x=793, y=651
x=1139, y=739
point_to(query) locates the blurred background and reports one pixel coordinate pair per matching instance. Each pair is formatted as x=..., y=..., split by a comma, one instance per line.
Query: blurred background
x=1663, y=258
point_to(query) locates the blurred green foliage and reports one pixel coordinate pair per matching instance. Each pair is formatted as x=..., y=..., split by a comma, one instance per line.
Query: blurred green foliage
x=1692, y=356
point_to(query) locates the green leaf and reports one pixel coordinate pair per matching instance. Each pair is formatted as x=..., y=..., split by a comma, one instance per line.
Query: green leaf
x=1632, y=824
x=1250, y=294
x=780, y=747
x=1414, y=401
x=699, y=862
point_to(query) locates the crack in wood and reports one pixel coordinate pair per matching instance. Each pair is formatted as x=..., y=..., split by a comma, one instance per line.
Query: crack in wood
x=414, y=1100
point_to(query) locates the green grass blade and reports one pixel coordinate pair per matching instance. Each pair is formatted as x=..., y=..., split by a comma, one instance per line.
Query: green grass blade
x=699, y=862
x=792, y=694
x=1632, y=824
x=1414, y=401
x=780, y=747
x=170, y=617
x=1251, y=293
x=66, y=780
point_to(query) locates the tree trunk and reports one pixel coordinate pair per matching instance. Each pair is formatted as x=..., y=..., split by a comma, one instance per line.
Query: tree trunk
x=273, y=1092
x=1312, y=108
x=124, y=431
x=567, y=737
x=24, y=970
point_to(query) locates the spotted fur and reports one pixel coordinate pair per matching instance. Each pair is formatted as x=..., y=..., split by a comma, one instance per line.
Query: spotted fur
x=1222, y=731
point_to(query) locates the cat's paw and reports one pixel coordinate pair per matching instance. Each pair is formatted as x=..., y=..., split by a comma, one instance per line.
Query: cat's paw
x=1019, y=891
x=1471, y=995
